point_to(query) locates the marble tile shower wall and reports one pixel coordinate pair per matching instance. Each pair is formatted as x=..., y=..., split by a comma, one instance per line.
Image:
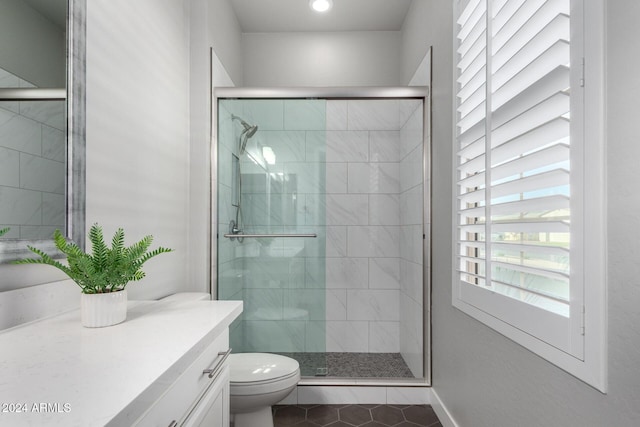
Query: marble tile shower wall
x=353, y=177
x=280, y=280
x=230, y=266
x=374, y=215
x=411, y=250
x=32, y=164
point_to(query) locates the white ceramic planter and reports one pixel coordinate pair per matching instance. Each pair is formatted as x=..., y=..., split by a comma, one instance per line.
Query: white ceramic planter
x=99, y=310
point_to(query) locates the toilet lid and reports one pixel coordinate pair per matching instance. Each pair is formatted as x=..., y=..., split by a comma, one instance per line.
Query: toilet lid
x=254, y=367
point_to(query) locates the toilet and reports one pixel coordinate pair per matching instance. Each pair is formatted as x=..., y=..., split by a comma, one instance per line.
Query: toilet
x=257, y=380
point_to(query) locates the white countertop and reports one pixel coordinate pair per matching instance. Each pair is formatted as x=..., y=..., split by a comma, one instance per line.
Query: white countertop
x=59, y=373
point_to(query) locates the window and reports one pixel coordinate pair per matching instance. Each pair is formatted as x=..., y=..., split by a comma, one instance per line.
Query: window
x=529, y=258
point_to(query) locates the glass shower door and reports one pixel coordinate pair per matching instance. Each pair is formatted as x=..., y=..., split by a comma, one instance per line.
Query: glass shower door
x=271, y=225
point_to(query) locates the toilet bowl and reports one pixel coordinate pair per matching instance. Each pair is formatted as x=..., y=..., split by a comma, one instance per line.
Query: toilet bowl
x=258, y=381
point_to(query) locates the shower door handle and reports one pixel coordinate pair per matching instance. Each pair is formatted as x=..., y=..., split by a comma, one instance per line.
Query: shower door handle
x=258, y=236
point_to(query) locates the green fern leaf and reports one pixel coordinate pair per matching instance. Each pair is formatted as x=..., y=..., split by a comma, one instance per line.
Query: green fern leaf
x=105, y=269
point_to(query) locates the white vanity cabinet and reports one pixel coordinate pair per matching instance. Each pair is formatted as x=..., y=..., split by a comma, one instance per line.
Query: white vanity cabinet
x=164, y=366
x=213, y=408
x=199, y=397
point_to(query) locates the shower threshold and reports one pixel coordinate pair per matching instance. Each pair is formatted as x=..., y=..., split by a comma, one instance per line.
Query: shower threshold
x=351, y=365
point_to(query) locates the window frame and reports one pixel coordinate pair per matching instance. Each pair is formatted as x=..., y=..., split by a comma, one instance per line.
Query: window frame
x=584, y=354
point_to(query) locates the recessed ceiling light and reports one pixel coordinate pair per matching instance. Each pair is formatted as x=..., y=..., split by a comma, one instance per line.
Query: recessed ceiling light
x=320, y=5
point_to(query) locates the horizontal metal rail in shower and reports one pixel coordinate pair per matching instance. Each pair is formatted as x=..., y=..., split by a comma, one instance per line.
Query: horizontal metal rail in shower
x=257, y=236
x=33, y=94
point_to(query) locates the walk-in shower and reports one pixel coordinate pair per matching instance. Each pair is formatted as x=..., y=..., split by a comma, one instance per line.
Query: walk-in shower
x=322, y=225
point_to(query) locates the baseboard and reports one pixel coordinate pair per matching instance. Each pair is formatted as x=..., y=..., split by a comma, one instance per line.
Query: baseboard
x=441, y=411
x=335, y=394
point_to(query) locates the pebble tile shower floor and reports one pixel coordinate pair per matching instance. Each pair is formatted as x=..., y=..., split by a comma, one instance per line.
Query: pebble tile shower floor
x=353, y=365
x=355, y=416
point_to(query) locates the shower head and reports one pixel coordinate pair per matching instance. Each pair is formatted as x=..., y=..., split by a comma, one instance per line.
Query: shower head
x=249, y=129
x=248, y=132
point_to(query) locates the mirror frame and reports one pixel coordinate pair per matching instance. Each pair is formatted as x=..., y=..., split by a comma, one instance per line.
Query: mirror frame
x=14, y=249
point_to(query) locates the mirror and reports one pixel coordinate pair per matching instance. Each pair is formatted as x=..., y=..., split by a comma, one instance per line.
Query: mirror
x=42, y=124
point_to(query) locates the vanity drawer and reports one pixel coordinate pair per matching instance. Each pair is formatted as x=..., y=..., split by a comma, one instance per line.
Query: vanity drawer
x=180, y=397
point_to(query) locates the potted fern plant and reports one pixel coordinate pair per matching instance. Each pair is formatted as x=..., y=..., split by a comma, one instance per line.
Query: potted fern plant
x=102, y=275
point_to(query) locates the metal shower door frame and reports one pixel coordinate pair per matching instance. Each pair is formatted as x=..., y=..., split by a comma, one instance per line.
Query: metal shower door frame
x=342, y=93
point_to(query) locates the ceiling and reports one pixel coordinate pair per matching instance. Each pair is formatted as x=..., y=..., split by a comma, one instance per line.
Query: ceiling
x=295, y=15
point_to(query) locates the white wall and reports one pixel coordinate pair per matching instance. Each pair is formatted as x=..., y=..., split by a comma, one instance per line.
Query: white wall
x=137, y=151
x=225, y=37
x=416, y=38
x=358, y=58
x=206, y=72
x=138, y=130
x=483, y=378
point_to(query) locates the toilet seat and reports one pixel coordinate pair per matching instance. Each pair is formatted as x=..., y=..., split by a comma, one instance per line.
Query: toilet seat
x=261, y=373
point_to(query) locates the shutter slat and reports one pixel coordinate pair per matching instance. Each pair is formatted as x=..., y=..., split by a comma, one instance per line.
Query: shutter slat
x=530, y=22
x=476, y=13
x=473, y=150
x=476, y=32
x=470, y=72
x=497, y=6
x=477, y=80
x=503, y=15
x=537, y=70
x=474, y=260
x=550, y=179
x=472, y=118
x=551, y=155
x=556, y=54
x=534, y=292
x=472, y=166
x=478, y=212
x=466, y=274
x=466, y=13
x=551, y=274
x=472, y=181
x=542, y=249
x=518, y=36
x=472, y=196
x=474, y=132
x=530, y=227
x=471, y=228
x=549, y=109
x=552, y=131
x=471, y=244
x=515, y=21
x=547, y=203
x=516, y=103
x=476, y=50
x=472, y=101
x=522, y=43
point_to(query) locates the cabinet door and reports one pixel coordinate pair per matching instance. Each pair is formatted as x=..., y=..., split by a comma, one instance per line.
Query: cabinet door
x=181, y=396
x=212, y=410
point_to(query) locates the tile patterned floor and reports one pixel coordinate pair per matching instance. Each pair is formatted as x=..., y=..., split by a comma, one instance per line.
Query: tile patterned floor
x=358, y=365
x=355, y=415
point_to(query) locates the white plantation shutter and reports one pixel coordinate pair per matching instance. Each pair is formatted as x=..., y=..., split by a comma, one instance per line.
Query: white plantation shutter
x=514, y=179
